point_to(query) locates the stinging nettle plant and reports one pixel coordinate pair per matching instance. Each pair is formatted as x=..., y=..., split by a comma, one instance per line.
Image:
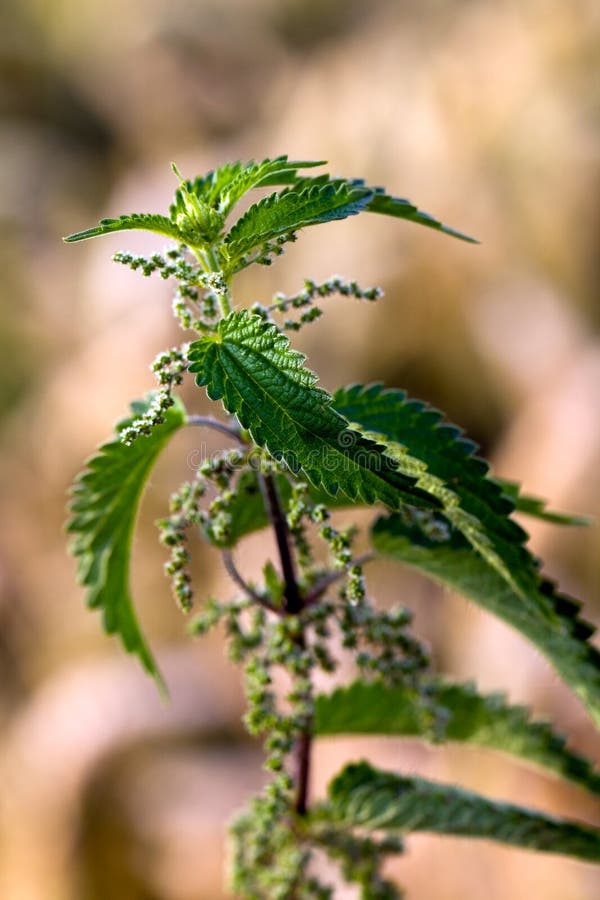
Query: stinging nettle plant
x=297, y=453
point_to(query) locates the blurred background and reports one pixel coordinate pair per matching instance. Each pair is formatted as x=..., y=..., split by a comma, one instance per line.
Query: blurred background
x=487, y=115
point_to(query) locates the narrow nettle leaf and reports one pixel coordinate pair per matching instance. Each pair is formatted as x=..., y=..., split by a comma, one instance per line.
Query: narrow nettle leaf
x=104, y=505
x=387, y=205
x=249, y=365
x=273, y=582
x=536, y=506
x=366, y=798
x=403, y=209
x=284, y=213
x=136, y=221
x=495, y=569
x=555, y=628
x=460, y=714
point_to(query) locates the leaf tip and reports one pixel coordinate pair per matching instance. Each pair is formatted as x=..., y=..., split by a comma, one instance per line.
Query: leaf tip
x=176, y=171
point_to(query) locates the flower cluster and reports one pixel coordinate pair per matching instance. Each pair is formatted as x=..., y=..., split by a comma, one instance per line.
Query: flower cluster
x=168, y=367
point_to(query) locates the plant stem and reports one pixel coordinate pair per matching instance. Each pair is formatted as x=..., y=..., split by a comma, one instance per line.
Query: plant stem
x=302, y=750
x=321, y=586
x=293, y=598
x=234, y=574
x=294, y=603
x=209, y=422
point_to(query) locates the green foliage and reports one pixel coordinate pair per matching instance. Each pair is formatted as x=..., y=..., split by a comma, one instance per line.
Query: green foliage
x=445, y=467
x=224, y=187
x=103, y=511
x=536, y=506
x=200, y=207
x=387, y=205
x=403, y=209
x=496, y=570
x=247, y=510
x=460, y=714
x=299, y=454
x=249, y=365
x=554, y=626
x=280, y=215
x=363, y=797
x=134, y=222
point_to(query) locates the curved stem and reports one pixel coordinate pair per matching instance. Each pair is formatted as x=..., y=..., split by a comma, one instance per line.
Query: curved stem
x=209, y=422
x=321, y=586
x=234, y=574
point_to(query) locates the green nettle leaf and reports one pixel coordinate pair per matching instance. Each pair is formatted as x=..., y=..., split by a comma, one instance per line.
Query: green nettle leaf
x=475, y=548
x=249, y=365
x=248, y=513
x=536, y=506
x=363, y=797
x=385, y=204
x=444, y=449
x=444, y=465
x=105, y=500
x=461, y=714
x=403, y=209
x=136, y=221
x=273, y=582
x=556, y=629
x=278, y=171
x=225, y=186
x=279, y=215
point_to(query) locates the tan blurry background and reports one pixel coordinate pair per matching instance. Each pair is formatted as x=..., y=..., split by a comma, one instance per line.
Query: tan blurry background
x=487, y=115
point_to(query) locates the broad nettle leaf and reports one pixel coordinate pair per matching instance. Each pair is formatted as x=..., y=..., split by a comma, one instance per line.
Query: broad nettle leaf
x=248, y=512
x=104, y=505
x=451, y=712
x=248, y=364
x=556, y=629
x=283, y=213
x=443, y=462
x=474, y=547
x=385, y=204
x=365, y=798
